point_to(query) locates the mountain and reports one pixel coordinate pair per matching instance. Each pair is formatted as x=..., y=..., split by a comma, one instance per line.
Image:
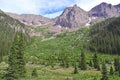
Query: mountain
x=105, y=10
x=118, y=7
x=105, y=36
x=31, y=19
x=72, y=17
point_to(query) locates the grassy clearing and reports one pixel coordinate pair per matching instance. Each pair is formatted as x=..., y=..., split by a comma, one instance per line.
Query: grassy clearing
x=59, y=73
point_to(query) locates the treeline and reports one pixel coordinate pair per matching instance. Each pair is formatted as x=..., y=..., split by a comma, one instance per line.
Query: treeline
x=105, y=36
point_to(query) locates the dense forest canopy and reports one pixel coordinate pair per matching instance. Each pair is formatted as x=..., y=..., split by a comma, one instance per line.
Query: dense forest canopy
x=105, y=36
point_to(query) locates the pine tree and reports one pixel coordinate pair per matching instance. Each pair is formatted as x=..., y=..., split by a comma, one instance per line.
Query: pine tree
x=75, y=69
x=116, y=64
x=95, y=61
x=111, y=70
x=82, y=64
x=98, y=68
x=20, y=56
x=90, y=64
x=104, y=72
x=119, y=70
x=34, y=73
x=16, y=68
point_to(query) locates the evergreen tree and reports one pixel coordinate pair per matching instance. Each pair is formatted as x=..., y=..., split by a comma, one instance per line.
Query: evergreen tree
x=111, y=70
x=119, y=70
x=98, y=68
x=20, y=56
x=75, y=69
x=16, y=68
x=116, y=64
x=104, y=72
x=90, y=63
x=95, y=61
x=34, y=73
x=82, y=64
x=94, y=78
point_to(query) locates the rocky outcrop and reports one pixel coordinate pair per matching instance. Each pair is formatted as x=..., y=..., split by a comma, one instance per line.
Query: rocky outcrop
x=72, y=17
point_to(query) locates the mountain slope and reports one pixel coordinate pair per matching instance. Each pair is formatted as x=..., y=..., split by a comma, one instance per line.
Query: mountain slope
x=8, y=27
x=105, y=36
x=72, y=17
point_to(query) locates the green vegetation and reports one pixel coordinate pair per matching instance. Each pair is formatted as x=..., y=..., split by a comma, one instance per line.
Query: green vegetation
x=95, y=61
x=111, y=70
x=82, y=64
x=105, y=36
x=42, y=28
x=8, y=27
x=67, y=56
x=34, y=73
x=16, y=68
x=75, y=69
x=104, y=72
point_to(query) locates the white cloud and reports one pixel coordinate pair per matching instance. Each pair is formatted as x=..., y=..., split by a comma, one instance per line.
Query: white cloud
x=88, y=4
x=18, y=6
x=49, y=8
x=43, y=7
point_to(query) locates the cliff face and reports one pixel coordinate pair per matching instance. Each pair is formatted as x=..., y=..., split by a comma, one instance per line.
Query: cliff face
x=72, y=17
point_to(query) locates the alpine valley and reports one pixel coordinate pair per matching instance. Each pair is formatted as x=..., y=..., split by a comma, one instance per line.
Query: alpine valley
x=76, y=45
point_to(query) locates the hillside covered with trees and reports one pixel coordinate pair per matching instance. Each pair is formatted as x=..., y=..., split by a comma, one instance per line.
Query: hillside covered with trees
x=105, y=36
x=8, y=28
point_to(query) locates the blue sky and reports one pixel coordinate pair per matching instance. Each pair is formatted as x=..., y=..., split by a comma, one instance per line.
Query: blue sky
x=48, y=8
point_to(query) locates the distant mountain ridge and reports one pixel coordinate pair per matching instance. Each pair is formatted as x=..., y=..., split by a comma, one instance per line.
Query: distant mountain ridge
x=31, y=19
x=105, y=10
x=72, y=17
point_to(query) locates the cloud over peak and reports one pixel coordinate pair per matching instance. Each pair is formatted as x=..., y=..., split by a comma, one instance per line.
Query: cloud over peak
x=48, y=8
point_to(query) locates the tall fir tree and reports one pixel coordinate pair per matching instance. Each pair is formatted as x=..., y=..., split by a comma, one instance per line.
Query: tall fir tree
x=16, y=68
x=82, y=64
x=75, y=69
x=119, y=70
x=111, y=70
x=95, y=61
x=104, y=72
x=116, y=64
x=90, y=64
x=34, y=73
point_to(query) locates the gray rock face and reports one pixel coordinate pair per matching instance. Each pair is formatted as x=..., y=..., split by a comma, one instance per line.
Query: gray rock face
x=30, y=19
x=72, y=17
x=105, y=10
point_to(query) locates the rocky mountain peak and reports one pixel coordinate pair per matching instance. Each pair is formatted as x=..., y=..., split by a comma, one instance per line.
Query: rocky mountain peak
x=104, y=3
x=104, y=10
x=72, y=17
x=75, y=6
x=117, y=6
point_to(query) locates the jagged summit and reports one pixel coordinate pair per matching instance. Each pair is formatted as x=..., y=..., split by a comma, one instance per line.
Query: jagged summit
x=74, y=6
x=72, y=17
x=104, y=10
